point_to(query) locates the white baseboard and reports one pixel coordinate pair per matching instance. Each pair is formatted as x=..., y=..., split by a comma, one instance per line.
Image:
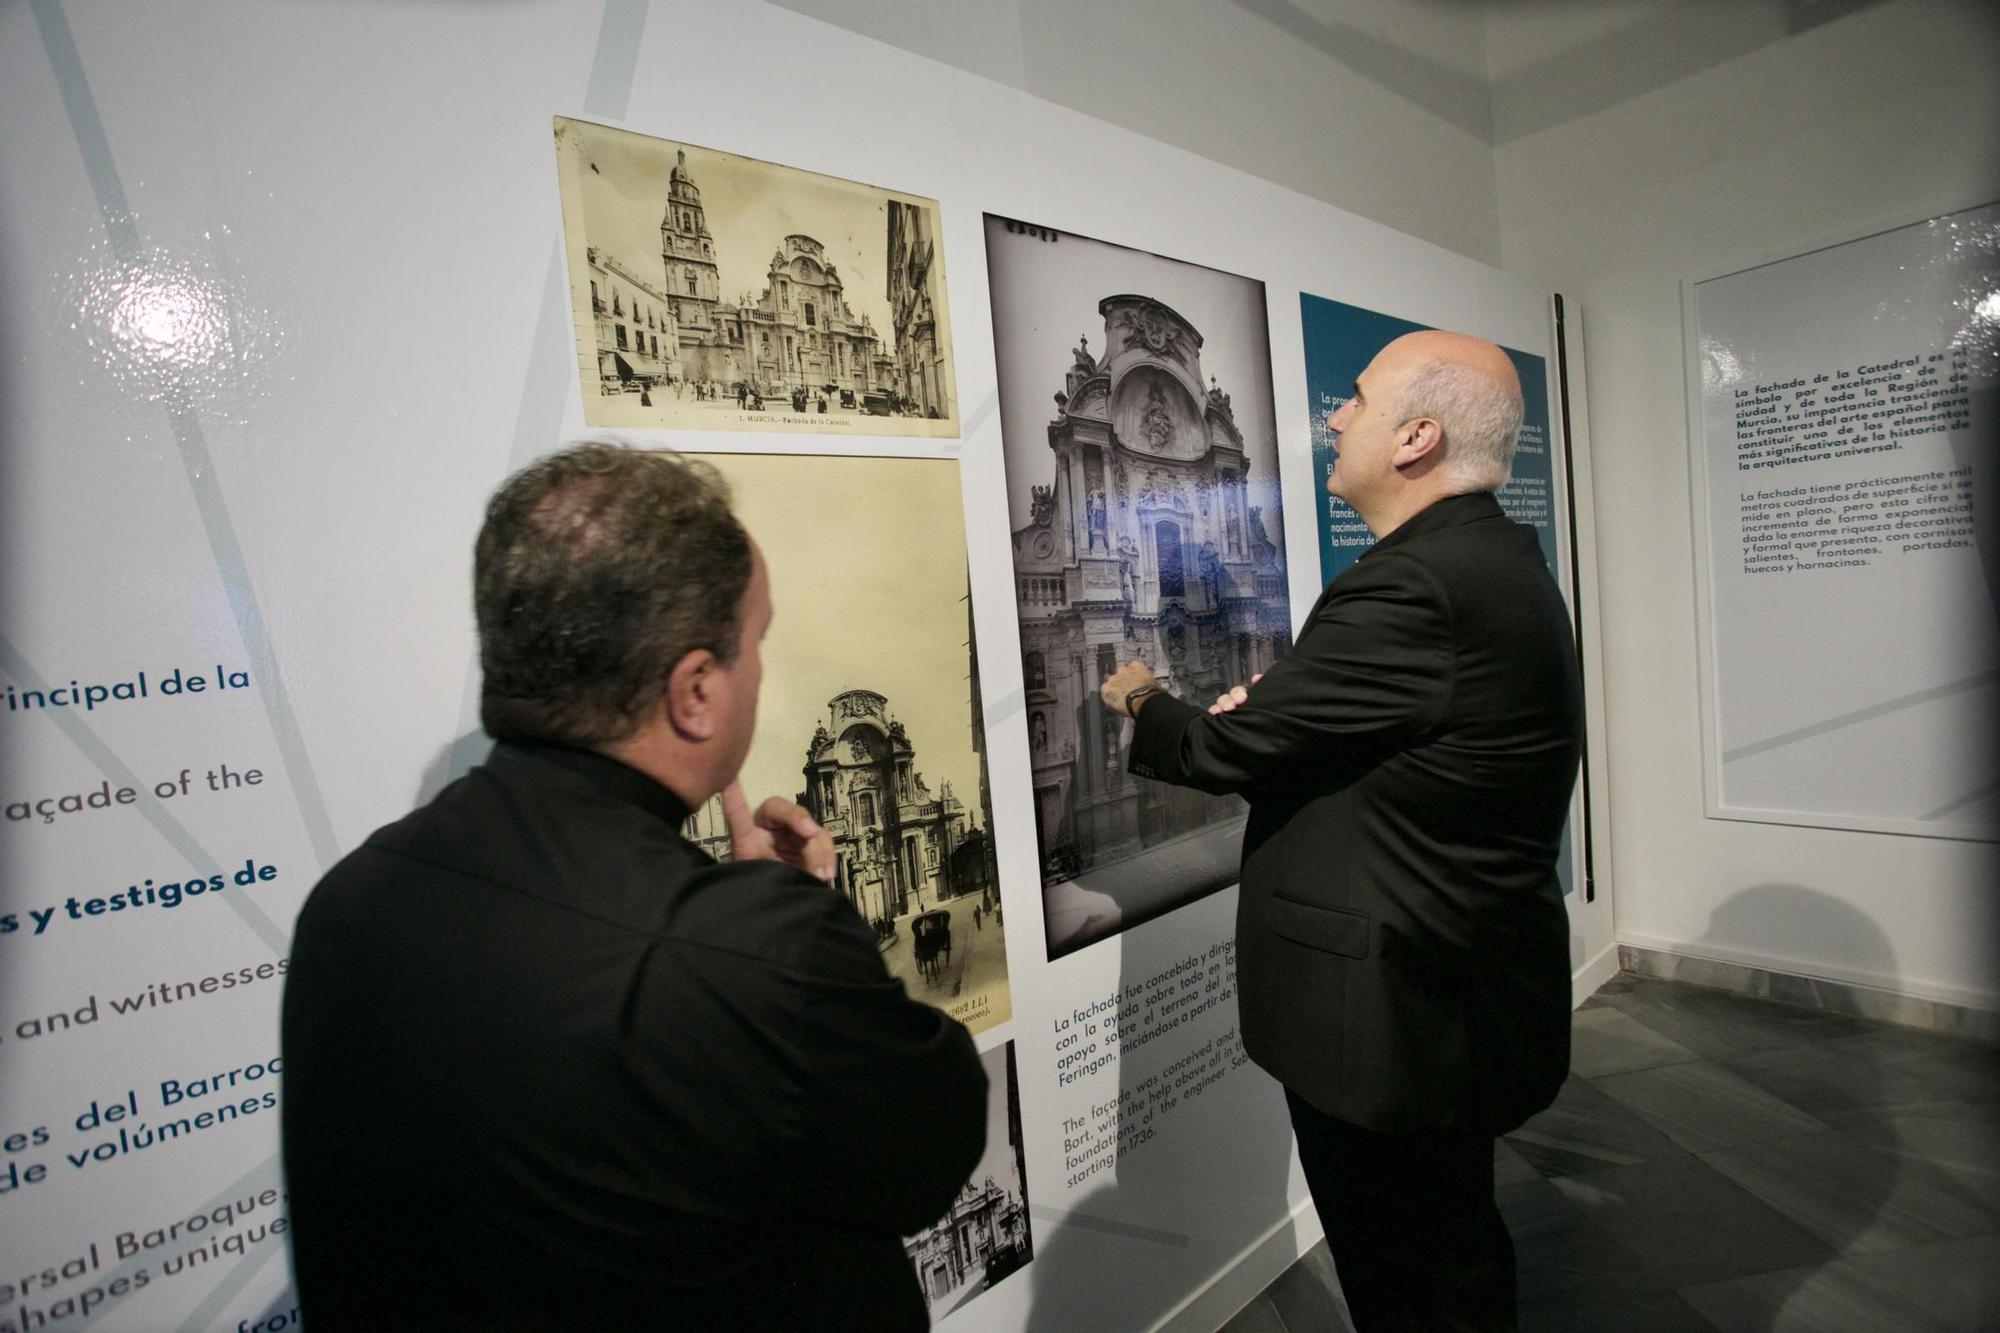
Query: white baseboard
x=1944, y=1009
x=1961, y=996
x=1594, y=972
x=1239, y=1282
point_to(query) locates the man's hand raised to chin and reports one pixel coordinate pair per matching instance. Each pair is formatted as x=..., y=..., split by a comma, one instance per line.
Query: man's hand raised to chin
x=778, y=830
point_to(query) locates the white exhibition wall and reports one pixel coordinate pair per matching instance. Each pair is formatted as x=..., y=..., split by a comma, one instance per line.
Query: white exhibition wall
x=1876, y=119
x=283, y=299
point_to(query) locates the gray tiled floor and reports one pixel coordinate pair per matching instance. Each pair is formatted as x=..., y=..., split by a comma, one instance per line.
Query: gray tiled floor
x=1723, y=1163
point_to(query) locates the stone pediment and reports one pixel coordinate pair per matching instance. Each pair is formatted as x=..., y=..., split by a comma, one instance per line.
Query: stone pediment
x=1153, y=414
x=1040, y=549
x=1091, y=400
x=1142, y=333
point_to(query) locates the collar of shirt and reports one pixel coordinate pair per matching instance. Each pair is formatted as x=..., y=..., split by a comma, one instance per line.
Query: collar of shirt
x=587, y=770
x=1450, y=512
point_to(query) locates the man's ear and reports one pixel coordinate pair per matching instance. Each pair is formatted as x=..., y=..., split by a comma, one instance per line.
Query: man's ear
x=1419, y=441
x=690, y=702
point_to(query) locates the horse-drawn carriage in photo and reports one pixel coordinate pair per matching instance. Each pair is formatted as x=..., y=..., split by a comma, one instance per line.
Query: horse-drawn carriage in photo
x=930, y=938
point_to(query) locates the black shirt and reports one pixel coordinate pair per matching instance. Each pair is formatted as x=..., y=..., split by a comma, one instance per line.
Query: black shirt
x=548, y=1065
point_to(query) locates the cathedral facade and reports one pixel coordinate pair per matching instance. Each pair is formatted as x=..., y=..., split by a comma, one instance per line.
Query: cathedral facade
x=800, y=334
x=896, y=839
x=901, y=848
x=1142, y=544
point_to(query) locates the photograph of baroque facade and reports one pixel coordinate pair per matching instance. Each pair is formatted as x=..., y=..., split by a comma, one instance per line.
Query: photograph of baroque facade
x=984, y=1237
x=1147, y=524
x=718, y=292
x=870, y=712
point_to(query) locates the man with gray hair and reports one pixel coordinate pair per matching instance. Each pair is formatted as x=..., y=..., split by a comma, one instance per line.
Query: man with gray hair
x=1402, y=947
x=548, y=1065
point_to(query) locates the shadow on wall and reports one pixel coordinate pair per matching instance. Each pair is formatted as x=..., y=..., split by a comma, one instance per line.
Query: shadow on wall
x=1123, y=1250
x=1789, y=921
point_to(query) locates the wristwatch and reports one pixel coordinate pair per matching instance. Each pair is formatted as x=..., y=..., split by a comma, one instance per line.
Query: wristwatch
x=1134, y=695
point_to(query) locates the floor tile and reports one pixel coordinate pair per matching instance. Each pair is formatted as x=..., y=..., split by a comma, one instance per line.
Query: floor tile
x=1886, y=1043
x=1510, y=1168
x=1818, y=1078
x=1949, y=1287
x=1307, y=1295
x=1663, y=1312
x=1688, y=1223
x=1605, y=1040
x=1716, y=1024
x=1703, y=1107
x=1971, y=1074
x=1559, y=1257
x=1586, y=1131
x=1963, y=1140
x=1848, y=1177
x=1855, y=1198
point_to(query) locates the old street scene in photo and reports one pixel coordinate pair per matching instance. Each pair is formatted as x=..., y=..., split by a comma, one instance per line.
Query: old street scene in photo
x=869, y=716
x=717, y=292
x=984, y=1236
x=1146, y=520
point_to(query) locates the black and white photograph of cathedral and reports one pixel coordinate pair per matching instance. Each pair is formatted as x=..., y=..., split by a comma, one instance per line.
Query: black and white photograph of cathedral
x=717, y=292
x=1141, y=456
x=870, y=710
x=984, y=1236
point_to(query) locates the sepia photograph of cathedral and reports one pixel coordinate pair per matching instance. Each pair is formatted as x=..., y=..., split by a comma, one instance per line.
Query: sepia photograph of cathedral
x=870, y=711
x=984, y=1236
x=716, y=292
x=1141, y=457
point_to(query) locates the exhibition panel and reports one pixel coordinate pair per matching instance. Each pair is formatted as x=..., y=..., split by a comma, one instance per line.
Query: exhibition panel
x=1147, y=524
x=275, y=334
x=1844, y=439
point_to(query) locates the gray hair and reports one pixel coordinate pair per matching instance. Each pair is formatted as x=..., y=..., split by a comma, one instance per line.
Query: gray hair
x=597, y=570
x=1481, y=419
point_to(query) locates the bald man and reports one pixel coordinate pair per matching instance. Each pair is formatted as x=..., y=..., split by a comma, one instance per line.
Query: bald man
x=1403, y=956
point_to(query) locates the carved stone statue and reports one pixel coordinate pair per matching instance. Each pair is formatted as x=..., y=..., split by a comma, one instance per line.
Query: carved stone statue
x=1042, y=503
x=1128, y=567
x=1217, y=397
x=1211, y=572
x=1085, y=362
x=1157, y=422
x=1097, y=520
x=1258, y=537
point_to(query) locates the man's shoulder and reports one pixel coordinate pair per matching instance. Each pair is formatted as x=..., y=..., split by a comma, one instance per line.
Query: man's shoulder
x=608, y=873
x=1459, y=539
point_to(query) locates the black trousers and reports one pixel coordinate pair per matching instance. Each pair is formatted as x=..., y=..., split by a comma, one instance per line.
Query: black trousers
x=1411, y=1222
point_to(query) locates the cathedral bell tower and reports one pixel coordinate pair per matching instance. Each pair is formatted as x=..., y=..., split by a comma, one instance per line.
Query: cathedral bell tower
x=694, y=284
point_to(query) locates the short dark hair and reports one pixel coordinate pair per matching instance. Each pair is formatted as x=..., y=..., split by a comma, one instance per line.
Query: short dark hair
x=596, y=571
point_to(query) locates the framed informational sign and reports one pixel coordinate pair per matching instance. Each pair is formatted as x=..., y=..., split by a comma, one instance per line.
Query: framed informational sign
x=1842, y=420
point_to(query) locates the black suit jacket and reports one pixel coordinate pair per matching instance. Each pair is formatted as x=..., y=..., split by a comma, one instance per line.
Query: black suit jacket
x=1402, y=948
x=550, y=1066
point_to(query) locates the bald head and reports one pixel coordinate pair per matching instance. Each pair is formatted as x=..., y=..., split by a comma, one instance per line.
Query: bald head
x=1469, y=387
